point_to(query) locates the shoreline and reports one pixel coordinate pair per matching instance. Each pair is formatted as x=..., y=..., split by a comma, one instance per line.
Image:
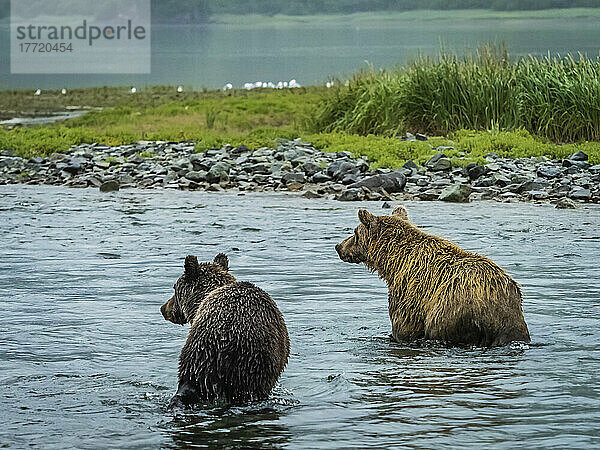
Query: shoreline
x=296, y=166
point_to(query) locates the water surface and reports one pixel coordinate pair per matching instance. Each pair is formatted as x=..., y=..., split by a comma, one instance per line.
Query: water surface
x=212, y=55
x=87, y=360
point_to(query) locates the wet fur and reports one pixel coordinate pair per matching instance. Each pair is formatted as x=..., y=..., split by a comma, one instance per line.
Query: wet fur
x=238, y=343
x=436, y=289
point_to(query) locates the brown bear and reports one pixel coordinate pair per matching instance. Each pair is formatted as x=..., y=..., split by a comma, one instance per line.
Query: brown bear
x=437, y=290
x=238, y=343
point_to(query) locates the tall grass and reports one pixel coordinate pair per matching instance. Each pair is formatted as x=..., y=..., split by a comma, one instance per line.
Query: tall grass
x=558, y=99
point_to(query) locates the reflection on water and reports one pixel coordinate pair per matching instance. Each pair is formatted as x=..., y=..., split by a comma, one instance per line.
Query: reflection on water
x=212, y=55
x=84, y=347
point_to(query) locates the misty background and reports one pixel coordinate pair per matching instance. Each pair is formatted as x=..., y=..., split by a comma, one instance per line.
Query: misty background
x=196, y=11
x=203, y=44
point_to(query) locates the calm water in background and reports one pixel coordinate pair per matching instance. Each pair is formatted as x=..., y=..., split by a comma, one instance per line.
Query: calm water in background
x=87, y=360
x=212, y=55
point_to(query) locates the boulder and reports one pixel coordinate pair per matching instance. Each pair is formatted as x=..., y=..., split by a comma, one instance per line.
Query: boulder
x=109, y=186
x=218, y=173
x=293, y=177
x=566, y=203
x=458, y=193
x=390, y=182
x=579, y=193
x=579, y=156
x=350, y=195
x=320, y=177
x=548, y=171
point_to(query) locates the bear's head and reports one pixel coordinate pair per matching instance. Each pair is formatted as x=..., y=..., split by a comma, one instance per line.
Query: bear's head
x=355, y=249
x=196, y=282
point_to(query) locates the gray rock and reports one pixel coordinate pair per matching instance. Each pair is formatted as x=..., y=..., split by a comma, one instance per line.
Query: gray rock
x=439, y=164
x=579, y=156
x=500, y=180
x=459, y=193
x=410, y=165
x=242, y=160
x=531, y=186
x=484, y=182
x=390, y=182
x=538, y=195
x=290, y=177
x=338, y=169
x=219, y=173
x=320, y=177
x=259, y=168
x=351, y=195
x=196, y=175
x=126, y=179
x=548, y=171
x=429, y=194
x=580, y=194
x=566, y=203
x=109, y=186
x=386, y=205
x=310, y=168
x=351, y=178
x=311, y=194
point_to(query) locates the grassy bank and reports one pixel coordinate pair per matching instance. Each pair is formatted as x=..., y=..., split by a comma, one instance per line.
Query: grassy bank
x=557, y=99
x=482, y=104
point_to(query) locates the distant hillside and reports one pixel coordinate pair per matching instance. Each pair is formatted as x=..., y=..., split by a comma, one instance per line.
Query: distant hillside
x=196, y=11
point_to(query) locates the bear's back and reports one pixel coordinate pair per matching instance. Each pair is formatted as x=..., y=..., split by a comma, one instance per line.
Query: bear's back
x=238, y=343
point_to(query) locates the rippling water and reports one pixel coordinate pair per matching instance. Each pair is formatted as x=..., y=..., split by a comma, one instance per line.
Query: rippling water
x=87, y=360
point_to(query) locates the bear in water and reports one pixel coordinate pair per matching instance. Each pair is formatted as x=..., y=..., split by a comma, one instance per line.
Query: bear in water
x=238, y=343
x=436, y=290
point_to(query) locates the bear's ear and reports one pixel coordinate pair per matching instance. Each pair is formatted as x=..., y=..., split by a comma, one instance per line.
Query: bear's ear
x=191, y=266
x=221, y=259
x=401, y=212
x=366, y=218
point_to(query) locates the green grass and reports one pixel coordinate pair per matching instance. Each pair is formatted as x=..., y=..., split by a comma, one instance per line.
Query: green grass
x=476, y=103
x=558, y=99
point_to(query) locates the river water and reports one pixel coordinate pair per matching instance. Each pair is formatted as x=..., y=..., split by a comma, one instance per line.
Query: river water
x=212, y=55
x=87, y=360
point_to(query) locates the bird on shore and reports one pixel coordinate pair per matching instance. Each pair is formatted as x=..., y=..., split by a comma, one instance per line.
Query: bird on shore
x=227, y=87
x=63, y=91
x=179, y=89
x=38, y=92
x=133, y=90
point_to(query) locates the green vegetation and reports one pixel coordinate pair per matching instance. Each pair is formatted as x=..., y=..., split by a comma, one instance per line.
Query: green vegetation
x=481, y=104
x=558, y=99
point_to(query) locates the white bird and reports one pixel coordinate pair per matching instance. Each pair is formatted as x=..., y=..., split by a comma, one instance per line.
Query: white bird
x=258, y=84
x=280, y=85
x=63, y=91
x=285, y=84
x=38, y=92
x=248, y=86
x=294, y=84
x=271, y=85
x=133, y=90
x=180, y=89
x=227, y=87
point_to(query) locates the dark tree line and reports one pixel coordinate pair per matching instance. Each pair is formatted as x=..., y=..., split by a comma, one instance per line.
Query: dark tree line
x=194, y=11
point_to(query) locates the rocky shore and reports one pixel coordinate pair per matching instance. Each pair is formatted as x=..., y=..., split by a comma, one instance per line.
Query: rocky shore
x=299, y=167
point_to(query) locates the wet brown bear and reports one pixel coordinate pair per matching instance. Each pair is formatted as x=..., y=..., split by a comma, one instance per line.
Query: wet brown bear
x=238, y=343
x=437, y=290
